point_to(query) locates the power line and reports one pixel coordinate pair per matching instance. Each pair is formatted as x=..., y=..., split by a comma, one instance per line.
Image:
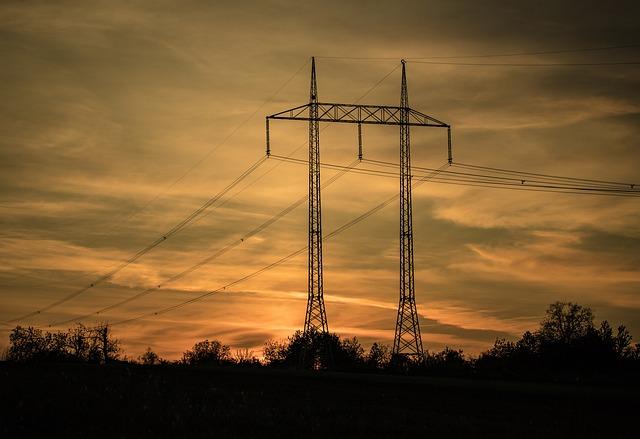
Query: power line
x=215, y=255
x=485, y=55
x=508, y=171
x=453, y=182
x=280, y=261
x=238, y=127
x=193, y=217
x=556, y=64
x=477, y=179
x=177, y=228
x=117, y=223
x=219, y=144
x=294, y=151
x=532, y=53
x=366, y=93
x=374, y=86
x=553, y=64
x=521, y=177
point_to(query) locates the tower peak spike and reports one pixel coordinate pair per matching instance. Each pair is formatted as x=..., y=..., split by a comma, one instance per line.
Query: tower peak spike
x=313, y=92
x=404, y=94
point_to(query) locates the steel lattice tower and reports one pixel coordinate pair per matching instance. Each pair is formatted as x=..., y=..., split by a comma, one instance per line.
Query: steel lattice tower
x=316, y=317
x=407, y=339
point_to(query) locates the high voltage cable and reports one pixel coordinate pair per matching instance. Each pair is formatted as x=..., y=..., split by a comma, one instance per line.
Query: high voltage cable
x=177, y=228
x=110, y=274
x=295, y=150
x=159, y=194
x=525, y=189
x=521, y=177
x=260, y=177
x=366, y=93
x=219, y=144
x=276, y=263
x=631, y=185
x=476, y=179
x=532, y=53
x=460, y=175
x=495, y=55
x=280, y=261
x=215, y=255
x=377, y=83
x=555, y=64
x=574, y=190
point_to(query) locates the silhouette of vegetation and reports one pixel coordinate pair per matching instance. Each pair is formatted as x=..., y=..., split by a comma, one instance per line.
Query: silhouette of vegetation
x=315, y=350
x=81, y=343
x=150, y=358
x=210, y=353
x=378, y=357
x=211, y=391
x=245, y=357
x=568, y=345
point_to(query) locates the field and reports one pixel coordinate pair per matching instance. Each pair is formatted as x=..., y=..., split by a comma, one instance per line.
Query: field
x=80, y=400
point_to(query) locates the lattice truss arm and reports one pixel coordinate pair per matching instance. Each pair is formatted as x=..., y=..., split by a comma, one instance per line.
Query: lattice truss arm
x=360, y=114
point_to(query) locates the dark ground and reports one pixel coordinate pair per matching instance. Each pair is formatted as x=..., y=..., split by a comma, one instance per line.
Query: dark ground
x=79, y=400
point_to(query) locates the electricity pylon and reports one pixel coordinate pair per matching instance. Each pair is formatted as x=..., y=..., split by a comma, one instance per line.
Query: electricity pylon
x=316, y=317
x=407, y=339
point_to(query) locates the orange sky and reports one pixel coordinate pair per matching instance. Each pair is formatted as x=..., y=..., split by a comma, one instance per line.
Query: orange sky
x=104, y=106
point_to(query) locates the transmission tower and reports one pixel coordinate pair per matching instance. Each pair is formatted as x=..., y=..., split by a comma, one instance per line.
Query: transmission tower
x=407, y=339
x=316, y=317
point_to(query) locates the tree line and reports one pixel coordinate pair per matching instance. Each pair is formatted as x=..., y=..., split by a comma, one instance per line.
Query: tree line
x=79, y=344
x=568, y=345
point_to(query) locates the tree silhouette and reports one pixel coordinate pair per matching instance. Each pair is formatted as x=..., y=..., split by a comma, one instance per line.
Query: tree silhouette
x=315, y=350
x=149, y=358
x=450, y=362
x=378, y=357
x=207, y=353
x=245, y=357
x=566, y=322
x=80, y=343
x=567, y=345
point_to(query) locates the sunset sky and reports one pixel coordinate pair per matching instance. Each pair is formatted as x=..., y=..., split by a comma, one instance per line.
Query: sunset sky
x=118, y=119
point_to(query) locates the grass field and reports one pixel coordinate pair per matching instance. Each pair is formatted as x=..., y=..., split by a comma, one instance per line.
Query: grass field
x=79, y=400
